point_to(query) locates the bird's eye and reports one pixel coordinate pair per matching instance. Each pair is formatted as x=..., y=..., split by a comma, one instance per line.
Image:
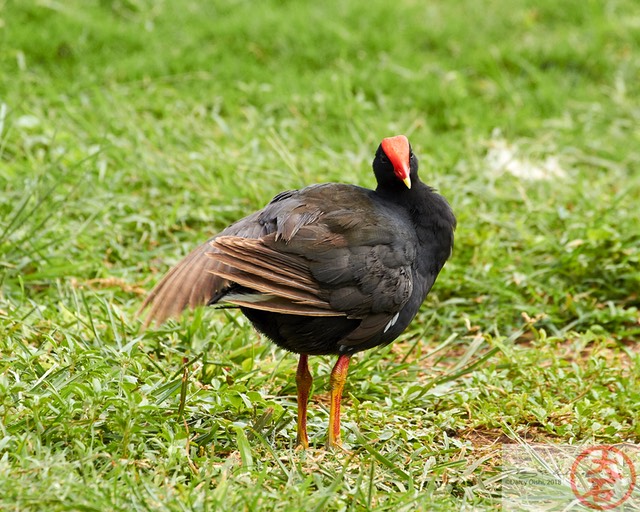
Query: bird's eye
x=383, y=158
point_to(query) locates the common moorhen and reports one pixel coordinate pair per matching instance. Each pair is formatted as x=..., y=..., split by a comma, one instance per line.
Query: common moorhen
x=328, y=269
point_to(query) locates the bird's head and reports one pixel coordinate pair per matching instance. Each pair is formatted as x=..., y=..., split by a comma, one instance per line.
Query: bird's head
x=395, y=162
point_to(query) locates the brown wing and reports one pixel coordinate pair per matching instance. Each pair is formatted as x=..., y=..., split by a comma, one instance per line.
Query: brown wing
x=188, y=284
x=283, y=281
x=200, y=279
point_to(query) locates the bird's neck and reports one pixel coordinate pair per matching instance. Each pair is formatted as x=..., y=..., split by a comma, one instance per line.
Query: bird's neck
x=414, y=198
x=427, y=209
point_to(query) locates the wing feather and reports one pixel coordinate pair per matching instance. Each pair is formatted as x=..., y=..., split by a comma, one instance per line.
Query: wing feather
x=188, y=284
x=254, y=266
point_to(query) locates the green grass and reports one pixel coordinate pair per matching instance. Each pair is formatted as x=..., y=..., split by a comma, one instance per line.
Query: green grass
x=132, y=130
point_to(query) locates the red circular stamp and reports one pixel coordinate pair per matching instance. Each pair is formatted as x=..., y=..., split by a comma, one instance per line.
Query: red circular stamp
x=602, y=477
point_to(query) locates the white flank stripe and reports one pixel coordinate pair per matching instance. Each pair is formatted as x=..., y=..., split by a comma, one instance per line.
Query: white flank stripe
x=248, y=297
x=392, y=322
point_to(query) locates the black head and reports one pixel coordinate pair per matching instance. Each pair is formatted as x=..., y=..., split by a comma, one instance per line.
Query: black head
x=395, y=165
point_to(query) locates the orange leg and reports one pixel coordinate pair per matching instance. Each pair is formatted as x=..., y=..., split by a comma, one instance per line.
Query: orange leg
x=336, y=383
x=303, y=381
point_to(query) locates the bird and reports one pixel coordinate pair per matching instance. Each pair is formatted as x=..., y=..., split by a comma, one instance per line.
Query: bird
x=329, y=269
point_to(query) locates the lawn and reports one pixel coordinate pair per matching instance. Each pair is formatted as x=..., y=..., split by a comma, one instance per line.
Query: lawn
x=132, y=130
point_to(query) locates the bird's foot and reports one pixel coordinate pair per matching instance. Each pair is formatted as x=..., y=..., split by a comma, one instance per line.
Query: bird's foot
x=336, y=446
x=302, y=444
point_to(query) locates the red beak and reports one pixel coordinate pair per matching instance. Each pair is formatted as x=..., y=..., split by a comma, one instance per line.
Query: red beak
x=398, y=151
